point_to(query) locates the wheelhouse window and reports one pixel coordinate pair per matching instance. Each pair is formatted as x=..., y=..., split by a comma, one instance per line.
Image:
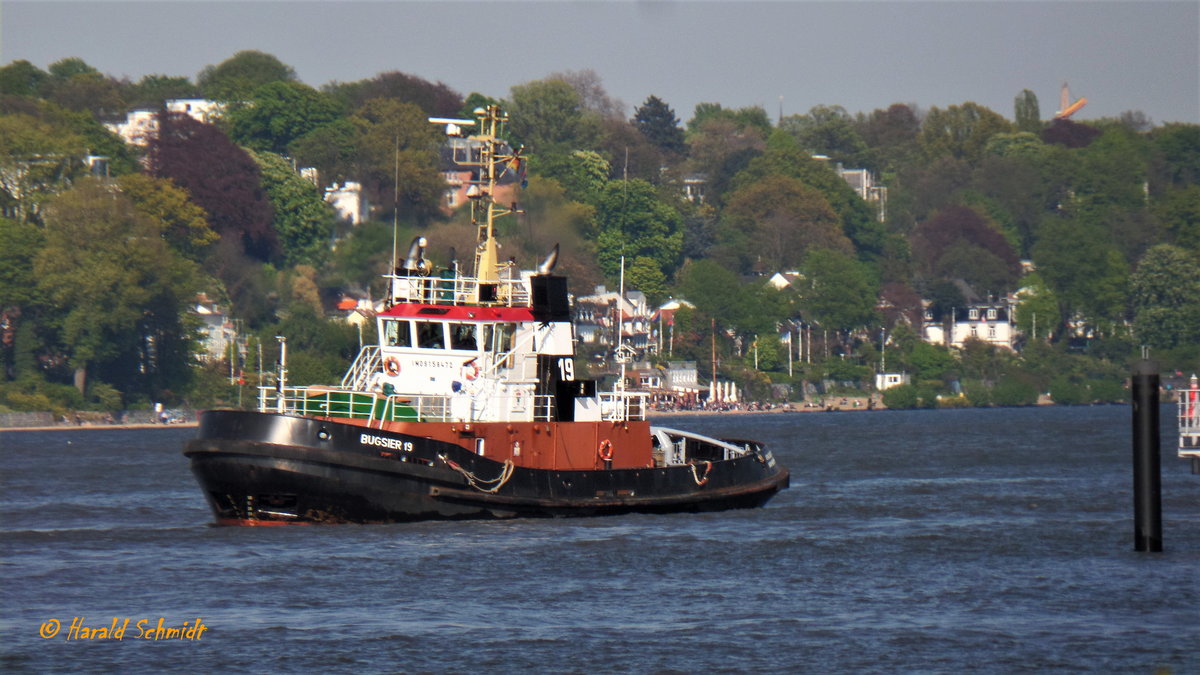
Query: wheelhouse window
x=462, y=336
x=430, y=335
x=397, y=333
x=498, y=338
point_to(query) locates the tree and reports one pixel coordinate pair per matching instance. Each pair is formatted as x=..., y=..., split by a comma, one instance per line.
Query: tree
x=890, y=136
x=837, y=291
x=1026, y=112
x=22, y=78
x=658, y=123
x=768, y=226
x=1085, y=271
x=236, y=78
x=279, y=113
x=1165, y=293
x=37, y=159
x=1038, y=313
x=121, y=290
x=331, y=149
x=184, y=224
x=827, y=130
x=959, y=243
x=548, y=116
x=220, y=177
x=436, y=100
x=1179, y=210
x=303, y=219
x=397, y=147
x=961, y=131
x=784, y=157
x=154, y=90
x=645, y=275
x=634, y=223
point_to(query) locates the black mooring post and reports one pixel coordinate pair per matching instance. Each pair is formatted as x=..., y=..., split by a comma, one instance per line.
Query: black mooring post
x=1147, y=474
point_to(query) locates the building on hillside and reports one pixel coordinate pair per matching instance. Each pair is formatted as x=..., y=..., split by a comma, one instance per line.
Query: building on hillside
x=864, y=185
x=598, y=316
x=694, y=187
x=781, y=280
x=217, y=330
x=141, y=124
x=992, y=322
x=348, y=201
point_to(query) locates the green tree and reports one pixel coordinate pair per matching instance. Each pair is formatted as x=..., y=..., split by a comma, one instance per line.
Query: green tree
x=37, y=160
x=634, y=223
x=236, y=78
x=645, y=275
x=658, y=123
x=1179, y=211
x=1165, y=292
x=397, y=147
x=784, y=157
x=548, y=116
x=185, y=225
x=122, y=292
x=961, y=131
x=837, y=291
x=279, y=113
x=1086, y=272
x=827, y=130
x=768, y=226
x=1026, y=112
x=22, y=78
x=1038, y=313
x=304, y=221
x=155, y=89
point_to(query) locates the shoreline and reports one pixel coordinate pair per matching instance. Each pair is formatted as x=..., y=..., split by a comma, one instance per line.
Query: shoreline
x=93, y=427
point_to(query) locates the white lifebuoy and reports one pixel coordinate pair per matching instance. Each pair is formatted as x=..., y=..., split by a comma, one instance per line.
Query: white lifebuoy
x=470, y=370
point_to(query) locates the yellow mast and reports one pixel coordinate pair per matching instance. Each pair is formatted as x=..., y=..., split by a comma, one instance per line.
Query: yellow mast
x=484, y=210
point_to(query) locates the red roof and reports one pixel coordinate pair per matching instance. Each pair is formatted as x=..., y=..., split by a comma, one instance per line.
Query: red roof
x=459, y=313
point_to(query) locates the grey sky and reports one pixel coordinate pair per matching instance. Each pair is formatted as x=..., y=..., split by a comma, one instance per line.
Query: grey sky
x=861, y=55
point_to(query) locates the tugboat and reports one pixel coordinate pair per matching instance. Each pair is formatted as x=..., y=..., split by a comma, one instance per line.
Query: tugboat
x=468, y=407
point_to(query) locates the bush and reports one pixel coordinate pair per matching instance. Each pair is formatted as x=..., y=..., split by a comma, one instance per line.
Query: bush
x=1013, y=391
x=1066, y=392
x=978, y=393
x=1108, y=391
x=952, y=401
x=903, y=397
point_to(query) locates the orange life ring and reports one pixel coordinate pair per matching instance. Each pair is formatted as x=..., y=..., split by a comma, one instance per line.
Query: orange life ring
x=605, y=450
x=391, y=366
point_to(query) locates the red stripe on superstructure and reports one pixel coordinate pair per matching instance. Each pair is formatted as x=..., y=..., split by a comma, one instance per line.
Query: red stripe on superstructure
x=411, y=310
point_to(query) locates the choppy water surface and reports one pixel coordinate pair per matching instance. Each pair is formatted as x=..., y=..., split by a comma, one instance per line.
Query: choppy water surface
x=935, y=541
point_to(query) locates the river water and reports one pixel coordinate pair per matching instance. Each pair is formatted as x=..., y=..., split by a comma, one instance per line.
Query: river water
x=931, y=541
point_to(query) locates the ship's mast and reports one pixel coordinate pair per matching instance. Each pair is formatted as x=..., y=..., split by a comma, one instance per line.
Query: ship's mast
x=493, y=159
x=484, y=210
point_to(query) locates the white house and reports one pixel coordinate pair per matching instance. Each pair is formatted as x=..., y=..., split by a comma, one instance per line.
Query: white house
x=993, y=322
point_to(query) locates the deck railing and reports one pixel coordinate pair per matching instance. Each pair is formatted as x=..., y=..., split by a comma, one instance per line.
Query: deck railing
x=459, y=291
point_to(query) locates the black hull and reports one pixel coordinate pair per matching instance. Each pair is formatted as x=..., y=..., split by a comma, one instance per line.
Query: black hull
x=265, y=468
